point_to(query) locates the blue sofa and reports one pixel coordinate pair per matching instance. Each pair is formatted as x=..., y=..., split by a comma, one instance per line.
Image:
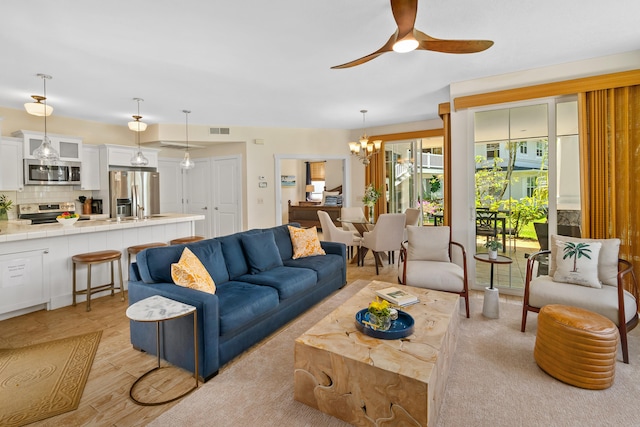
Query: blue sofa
x=259, y=288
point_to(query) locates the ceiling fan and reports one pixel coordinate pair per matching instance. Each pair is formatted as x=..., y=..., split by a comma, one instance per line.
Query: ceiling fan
x=408, y=38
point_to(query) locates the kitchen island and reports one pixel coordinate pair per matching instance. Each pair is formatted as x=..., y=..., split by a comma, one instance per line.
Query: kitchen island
x=36, y=271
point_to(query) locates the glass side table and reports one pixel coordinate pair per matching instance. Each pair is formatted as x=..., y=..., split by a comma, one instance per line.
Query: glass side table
x=159, y=309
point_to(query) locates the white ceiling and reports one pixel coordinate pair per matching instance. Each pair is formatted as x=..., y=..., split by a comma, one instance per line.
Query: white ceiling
x=267, y=63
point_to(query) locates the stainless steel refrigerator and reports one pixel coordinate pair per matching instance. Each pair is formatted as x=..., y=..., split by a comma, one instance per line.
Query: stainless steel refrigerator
x=134, y=194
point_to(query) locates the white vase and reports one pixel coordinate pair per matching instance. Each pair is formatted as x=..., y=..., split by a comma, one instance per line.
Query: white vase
x=493, y=254
x=371, y=216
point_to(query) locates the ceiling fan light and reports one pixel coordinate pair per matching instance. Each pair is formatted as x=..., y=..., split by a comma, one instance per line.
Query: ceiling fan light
x=38, y=108
x=405, y=45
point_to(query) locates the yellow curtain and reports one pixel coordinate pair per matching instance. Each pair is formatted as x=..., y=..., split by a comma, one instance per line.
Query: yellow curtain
x=375, y=174
x=444, y=110
x=610, y=147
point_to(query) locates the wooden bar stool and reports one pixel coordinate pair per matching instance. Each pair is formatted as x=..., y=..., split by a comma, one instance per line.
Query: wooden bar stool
x=89, y=259
x=134, y=250
x=183, y=240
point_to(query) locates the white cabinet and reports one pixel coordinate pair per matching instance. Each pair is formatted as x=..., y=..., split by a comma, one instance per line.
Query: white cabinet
x=120, y=155
x=69, y=147
x=90, y=172
x=22, y=280
x=11, y=164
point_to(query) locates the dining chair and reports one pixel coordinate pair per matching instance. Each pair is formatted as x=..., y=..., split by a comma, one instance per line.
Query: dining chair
x=413, y=219
x=386, y=236
x=331, y=233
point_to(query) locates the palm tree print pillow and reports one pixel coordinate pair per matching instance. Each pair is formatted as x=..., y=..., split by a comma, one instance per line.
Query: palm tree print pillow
x=577, y=263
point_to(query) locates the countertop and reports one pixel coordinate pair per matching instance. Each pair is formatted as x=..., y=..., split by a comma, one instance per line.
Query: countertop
x=19, y=230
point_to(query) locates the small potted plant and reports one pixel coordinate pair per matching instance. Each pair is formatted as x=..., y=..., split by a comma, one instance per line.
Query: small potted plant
x=5, y=207
x=493, y=246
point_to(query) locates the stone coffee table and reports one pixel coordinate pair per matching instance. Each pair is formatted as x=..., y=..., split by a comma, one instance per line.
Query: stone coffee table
x=367, y=381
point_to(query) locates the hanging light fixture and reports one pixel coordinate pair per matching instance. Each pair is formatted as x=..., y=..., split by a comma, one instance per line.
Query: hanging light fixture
x=138, y=159
x=364, y=149
x=187, y=163
x=45, y=152
x=39, y=108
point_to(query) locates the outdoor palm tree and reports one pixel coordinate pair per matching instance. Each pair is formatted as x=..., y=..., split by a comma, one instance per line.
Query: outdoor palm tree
x=576, y=251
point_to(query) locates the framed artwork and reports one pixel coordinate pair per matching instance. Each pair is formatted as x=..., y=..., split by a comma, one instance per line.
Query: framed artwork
x=288, y=180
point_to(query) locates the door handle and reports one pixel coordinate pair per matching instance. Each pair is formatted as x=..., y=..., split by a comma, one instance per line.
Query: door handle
x=205, y=208
x=216, y=208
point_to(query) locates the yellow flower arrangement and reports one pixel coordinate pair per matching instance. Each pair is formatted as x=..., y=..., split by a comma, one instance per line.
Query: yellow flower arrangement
x=379, y=308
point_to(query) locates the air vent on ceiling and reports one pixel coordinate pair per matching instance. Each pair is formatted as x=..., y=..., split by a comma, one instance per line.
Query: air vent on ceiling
x=219, y=131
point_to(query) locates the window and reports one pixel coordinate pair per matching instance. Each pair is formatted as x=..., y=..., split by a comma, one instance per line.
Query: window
x=523, y=148
x=540, y=147
x=531, y=185
x=493, y=150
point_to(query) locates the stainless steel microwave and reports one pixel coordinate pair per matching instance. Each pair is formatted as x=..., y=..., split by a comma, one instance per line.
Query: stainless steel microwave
x=57, y=173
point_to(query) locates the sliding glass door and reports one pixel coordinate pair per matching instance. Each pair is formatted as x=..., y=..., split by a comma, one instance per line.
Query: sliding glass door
x=516, y=171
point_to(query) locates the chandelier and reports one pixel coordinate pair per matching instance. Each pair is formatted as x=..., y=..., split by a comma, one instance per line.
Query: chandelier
x=138, y=159
x=364, y=149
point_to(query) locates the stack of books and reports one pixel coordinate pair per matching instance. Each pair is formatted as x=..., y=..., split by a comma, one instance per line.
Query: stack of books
x=397, y=296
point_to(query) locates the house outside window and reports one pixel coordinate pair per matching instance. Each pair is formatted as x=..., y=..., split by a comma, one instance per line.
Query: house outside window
x=539, y=148
x=531, y=185
x=523, y=148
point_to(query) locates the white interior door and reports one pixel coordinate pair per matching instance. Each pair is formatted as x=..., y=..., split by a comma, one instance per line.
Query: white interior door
x=198, y=195
x=171, y=186
x=227, y=189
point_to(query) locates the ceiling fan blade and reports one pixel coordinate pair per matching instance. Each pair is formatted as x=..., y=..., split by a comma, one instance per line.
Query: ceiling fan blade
x=388, y=47
x=427, y=42
x=404, y=13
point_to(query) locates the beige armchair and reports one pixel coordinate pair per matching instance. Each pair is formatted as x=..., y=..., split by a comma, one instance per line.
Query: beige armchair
x=425, y=262
x=604, y=293
x=385, y=237
x=331, y=233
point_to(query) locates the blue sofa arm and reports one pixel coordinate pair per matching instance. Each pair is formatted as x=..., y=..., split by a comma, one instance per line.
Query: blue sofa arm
x=334, y=248
x=177, y=334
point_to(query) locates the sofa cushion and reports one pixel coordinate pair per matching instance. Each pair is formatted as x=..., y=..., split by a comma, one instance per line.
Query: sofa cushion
x=607, y=260
x=261, y=250
x=241, y=303
x=324, y=266
x=190, y=273
x=577, y=263
x=158, y=260
x=305, y=242
x=440, y=276
x=234, y=255
x=428, y=243
x=543, y=290
x=283, y=239
x=288, y=281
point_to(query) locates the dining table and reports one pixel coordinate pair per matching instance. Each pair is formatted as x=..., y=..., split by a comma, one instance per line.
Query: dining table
x=361, y=225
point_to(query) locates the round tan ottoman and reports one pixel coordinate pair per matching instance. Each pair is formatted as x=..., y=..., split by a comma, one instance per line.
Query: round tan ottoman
x=576, y=346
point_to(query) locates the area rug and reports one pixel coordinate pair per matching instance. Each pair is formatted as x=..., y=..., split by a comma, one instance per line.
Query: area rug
x=494, y=381
x=46, y=379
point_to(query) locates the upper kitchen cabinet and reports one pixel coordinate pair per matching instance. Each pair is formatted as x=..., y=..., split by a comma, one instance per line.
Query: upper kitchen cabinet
x=69, y=147
x=120, y=155
x=11, y=164
x=90, y=177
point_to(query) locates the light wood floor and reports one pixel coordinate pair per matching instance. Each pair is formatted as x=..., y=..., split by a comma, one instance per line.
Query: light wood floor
x=106, y=401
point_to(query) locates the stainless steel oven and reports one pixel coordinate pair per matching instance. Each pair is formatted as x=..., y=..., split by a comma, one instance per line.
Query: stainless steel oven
x=56, y=173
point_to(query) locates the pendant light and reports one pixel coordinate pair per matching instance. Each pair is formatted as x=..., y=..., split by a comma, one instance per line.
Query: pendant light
x=138, y=159
x=39, y=108
x=187, y=163
x=45, y=152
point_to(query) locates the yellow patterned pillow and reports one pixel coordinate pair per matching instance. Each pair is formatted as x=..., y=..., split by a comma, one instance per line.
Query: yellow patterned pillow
x=190, y=273
x=305, y=242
